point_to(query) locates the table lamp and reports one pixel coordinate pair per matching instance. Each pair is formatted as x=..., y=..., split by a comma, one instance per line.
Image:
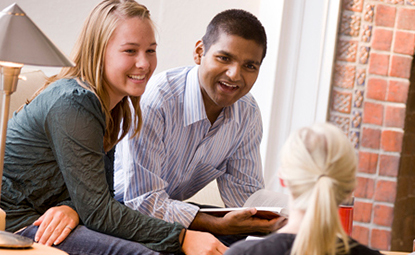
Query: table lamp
x=21, y=42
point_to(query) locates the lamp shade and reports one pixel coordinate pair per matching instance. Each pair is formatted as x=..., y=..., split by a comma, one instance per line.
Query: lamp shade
x=21, y=41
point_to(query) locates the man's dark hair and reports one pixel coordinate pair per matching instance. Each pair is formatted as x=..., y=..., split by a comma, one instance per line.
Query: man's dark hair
x=235, y=22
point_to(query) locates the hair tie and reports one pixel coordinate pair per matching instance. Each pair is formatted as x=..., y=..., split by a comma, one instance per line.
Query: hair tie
x=321, y=175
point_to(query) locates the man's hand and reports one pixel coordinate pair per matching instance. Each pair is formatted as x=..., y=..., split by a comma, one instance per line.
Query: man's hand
x=55, y=225
x=245, y=222
x=196, y=242
x=236, y=222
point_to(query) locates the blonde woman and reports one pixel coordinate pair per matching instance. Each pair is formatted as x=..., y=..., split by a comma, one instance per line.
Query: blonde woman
x=318, y=165
x=60, y=146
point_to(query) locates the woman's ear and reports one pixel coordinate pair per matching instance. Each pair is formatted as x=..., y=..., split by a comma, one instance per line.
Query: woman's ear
x=198, y=52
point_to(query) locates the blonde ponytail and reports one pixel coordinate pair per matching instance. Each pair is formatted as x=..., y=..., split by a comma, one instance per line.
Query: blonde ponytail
x=319, y=167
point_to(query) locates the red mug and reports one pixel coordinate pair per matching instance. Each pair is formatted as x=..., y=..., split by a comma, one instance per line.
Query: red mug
x=346, y=216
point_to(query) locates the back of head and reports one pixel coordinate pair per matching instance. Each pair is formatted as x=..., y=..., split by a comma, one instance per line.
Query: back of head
x=235, y=22
x=318, y=165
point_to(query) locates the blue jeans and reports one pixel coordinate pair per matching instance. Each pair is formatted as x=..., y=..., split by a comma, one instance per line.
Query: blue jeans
x=83, y=241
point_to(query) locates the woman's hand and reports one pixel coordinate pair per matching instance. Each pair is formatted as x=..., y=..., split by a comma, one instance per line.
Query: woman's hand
x=196, y=242
x=55, y=225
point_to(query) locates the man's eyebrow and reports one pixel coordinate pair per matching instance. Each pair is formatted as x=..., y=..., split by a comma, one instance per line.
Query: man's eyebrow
x=253, y=62
x=225, y=53
x=233, y=56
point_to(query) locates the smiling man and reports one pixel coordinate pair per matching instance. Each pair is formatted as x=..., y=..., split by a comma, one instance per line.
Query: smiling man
x=200, y=124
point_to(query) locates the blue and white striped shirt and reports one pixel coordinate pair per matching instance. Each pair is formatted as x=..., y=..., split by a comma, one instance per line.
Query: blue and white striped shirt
x=179, y=151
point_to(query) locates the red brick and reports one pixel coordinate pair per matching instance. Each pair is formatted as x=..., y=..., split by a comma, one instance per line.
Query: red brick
x=406, y=19
x=383, y=215
x=365, y=187
x=362, y=212
x=380, y=239
x=382, y=39
x=356, y=6
x=364, y=54
x=371, y=138
x=401, y=66
x=395, y=116
x=373, y=113
x=404, y=43
x=385, y=191
x=398, y=91
x=367, y=162
x=392, y=140
x=379, y=64
x=389, y=165
x=344, y=76
x=361, y=234
x=385, y=15
x=342, y=101
x=347, y=50
x=376, y=88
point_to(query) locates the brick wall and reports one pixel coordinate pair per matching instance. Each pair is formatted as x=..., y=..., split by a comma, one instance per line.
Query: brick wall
x=370, y=89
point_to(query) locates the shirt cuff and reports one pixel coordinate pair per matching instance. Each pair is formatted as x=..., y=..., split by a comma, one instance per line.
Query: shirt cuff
x=188, y=213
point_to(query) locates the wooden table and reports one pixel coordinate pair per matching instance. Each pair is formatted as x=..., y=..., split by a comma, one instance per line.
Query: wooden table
x=394, y=252
x=38, y=249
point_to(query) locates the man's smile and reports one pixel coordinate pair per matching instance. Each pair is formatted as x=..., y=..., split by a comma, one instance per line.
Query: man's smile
x=227, y=86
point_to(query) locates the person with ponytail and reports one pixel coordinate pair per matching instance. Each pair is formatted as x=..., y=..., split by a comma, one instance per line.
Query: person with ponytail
x=59, y=157
x=318, y=166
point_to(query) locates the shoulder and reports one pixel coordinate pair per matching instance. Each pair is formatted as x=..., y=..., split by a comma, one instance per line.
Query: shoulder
x=63, y=104
x=68, y=91
x=176, y=75
x=248, y=102
x=165, y=86
x=273, y=244
x=360, y=249
x=70, y=88
x=246, y=110
x=65, y=97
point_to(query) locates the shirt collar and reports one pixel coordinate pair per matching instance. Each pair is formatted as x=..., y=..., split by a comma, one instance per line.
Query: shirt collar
x=194, y=108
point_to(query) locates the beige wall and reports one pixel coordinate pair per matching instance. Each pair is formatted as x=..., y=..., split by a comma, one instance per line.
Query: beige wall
x=180, y=23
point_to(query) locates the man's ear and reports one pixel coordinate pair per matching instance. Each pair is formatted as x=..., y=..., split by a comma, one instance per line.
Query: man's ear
x=198, y=52
x=282, y=183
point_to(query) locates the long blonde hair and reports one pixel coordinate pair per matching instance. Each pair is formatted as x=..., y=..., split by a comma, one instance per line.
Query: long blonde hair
x=318, y=165
x=88, y=55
